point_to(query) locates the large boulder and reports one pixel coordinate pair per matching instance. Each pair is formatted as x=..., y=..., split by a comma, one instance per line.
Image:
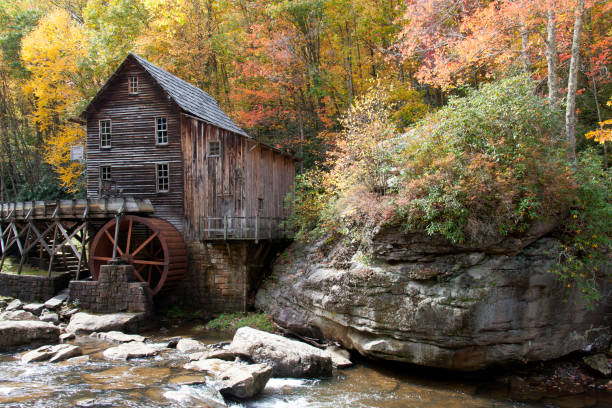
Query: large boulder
x=435, y=305
x=233, y=378
x=288, y=358
x=56, y=301
x=18, y=332
x=35, y=308
x=85, y=323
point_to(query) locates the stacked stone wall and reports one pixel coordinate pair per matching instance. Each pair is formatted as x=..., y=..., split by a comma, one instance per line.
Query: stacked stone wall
x=31, y=288
x=216, y=279
x=113, y=292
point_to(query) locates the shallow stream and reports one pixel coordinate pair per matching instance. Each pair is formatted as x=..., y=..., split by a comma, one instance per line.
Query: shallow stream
x=159, y=382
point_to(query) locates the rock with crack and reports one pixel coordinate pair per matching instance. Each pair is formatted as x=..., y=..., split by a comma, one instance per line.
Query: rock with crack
x=14, y=305
x=130, y=350
x=48, y=316
x=56, y=301
x=339, y=356
x=118, y=337
x=34, y=308
x=18, y=332
x=233, y=378
x=85, y=323
x=53, y=354
x=17, y=315
x=288, y=358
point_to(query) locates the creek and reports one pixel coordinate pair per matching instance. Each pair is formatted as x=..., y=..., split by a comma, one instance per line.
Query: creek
x=160, y=382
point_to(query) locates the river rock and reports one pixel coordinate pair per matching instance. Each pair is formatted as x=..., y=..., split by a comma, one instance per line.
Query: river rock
x=34, y=308
x=17, y=315
x=600, y=363
x=417, y=299
x=189, y=346
x=48, y=316
x=18, y=332
x=56, y=301
x=340, y=357
x=55, y=353
x=130, y=350
x=288, y=358
x=200, y=396
x=15, y=304
x=85, y=323
x=118, y=337
x=233, y=378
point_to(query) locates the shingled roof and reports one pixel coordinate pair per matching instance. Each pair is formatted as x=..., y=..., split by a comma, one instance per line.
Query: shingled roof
x=189, y=98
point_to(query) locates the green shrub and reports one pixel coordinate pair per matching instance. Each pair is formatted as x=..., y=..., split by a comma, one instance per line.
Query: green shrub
x=587, y=235
x=234, y=321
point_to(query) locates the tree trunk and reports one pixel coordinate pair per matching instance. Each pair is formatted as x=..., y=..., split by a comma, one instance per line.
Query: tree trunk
x=525, y=49
x=572, y=82
x=551, y=58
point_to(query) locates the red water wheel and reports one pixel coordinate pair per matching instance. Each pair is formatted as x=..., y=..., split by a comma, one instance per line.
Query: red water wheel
x=153, y=246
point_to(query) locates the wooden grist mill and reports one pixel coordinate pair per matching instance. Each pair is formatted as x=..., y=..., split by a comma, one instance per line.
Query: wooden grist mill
x=174, y=188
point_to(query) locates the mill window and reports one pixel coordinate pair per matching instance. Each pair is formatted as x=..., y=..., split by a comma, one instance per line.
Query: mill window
x=161, y=130
x=214, y=149
x=105, y=133
x=260, y=204
x=163, y=178
x=133, y=85
x=105, y=173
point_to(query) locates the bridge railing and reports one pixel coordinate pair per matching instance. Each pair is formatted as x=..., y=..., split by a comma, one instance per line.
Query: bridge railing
x=243, y=228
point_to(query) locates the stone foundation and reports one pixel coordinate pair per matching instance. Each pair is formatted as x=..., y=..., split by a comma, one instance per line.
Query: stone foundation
x=115, y=291
x=222, y=277
x=32, y=288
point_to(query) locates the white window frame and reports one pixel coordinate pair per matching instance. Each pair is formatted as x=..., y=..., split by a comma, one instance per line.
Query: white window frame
x=133, y=90
x=157, y=131
x=110, y=133
x=210, y=142
x=110, y=173
x=157, y=177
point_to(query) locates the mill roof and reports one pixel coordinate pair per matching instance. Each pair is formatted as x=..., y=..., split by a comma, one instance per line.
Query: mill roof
x=189, y=98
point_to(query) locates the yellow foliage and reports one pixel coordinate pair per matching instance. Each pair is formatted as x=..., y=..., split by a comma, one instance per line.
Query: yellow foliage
x=603, y=134
x=53, y=53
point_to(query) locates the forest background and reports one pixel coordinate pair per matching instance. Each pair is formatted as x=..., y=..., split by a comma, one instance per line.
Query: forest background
x=285, y=70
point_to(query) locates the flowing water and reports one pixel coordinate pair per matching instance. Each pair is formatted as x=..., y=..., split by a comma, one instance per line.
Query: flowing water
x=160, y=382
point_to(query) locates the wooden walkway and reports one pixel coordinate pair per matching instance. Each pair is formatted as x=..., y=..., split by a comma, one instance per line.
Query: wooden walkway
x=58, y=230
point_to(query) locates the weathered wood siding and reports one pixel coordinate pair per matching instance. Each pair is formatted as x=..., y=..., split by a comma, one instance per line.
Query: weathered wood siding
x=232, y=184
x=134, y=155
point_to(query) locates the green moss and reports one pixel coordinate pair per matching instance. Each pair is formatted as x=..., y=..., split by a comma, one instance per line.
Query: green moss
x=234, y=321
x=11, y=266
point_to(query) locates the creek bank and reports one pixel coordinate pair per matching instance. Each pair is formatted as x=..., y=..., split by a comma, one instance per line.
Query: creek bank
x=419, y=299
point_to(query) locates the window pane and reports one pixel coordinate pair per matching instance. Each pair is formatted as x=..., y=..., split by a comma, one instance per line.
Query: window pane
x=214, y=149
x=163, y=178
x=105, y=133
x=105, y=173
x=133, y=84
x=161, y=130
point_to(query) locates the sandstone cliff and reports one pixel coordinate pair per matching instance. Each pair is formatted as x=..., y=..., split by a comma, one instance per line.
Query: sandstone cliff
x=418, y=299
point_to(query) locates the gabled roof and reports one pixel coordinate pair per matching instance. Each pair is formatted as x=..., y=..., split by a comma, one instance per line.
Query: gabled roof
x=189, y=98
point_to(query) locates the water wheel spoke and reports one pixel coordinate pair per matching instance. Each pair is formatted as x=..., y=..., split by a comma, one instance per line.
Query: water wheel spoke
x=112, y=240
x=147, y=262
x=144, y=244
x=137, y=273
x=102, y=258
x=129, y=237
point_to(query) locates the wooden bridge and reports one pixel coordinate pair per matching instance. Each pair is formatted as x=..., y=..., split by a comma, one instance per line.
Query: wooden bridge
x=59, y=231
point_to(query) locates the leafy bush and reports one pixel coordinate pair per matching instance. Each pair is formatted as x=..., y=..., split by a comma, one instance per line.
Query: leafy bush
x=589, y=230
x=485, y=165
x=234, y=321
